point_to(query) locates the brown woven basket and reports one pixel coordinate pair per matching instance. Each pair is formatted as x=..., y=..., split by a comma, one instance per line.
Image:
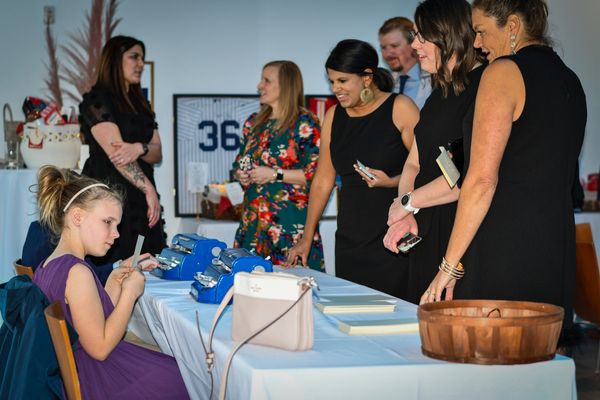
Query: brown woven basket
x=489, y=331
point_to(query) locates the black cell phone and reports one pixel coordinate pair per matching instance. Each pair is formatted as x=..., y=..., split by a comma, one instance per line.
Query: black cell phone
x=408, y=241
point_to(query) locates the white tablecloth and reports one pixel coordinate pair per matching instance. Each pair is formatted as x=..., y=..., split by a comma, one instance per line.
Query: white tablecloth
x=339, y=366
x=225, y=231
x=17, y=210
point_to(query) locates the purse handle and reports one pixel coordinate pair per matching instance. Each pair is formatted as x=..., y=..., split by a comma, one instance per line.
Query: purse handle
x=307, y=284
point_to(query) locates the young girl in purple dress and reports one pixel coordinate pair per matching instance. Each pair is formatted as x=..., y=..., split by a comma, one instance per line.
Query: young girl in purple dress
x=84, y=214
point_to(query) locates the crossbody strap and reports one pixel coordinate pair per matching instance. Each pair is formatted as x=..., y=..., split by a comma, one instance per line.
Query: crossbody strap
x=210, y=355
x=306, y=284
x=250, y=337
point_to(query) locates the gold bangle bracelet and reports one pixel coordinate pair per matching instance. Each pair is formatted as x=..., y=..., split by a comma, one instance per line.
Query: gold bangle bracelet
x=455, y=271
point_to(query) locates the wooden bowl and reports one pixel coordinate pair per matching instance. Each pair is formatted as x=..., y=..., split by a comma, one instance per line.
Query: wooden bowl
x=489, y=331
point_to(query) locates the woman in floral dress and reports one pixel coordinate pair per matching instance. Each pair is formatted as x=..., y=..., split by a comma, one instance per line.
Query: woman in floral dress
x=276, y=162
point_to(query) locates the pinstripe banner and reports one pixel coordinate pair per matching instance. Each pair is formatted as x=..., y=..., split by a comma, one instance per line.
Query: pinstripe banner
x=207, y=131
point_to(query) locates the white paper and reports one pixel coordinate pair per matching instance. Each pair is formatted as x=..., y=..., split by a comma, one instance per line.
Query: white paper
x=84, y=154
x=196, y=176
x=137, y=251
x=235, y=193
x=447, y=167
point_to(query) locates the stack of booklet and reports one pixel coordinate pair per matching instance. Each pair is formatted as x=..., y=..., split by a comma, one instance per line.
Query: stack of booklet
x=380, y=326
x=367, y=325
x=356, y=304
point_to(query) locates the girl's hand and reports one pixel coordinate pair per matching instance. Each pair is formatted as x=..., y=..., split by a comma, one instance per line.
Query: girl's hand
x=118, y=275
x=133, y=284
x=146, y=262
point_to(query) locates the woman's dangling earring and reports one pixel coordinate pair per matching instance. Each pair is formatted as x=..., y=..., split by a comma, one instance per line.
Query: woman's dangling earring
x=513, y=43
x=366, y=95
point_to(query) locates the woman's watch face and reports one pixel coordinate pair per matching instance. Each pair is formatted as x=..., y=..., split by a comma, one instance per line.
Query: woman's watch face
x=404, y=200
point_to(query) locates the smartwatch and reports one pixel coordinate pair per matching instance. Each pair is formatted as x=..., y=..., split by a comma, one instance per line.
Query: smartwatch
x=279, y=176
x=145, y=148
x=406, y=200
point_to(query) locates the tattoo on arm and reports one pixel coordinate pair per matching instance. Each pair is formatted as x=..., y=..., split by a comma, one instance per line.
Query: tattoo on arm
x=136, y=175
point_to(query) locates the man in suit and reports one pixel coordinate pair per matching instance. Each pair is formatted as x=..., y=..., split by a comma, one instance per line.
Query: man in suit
x=394, y=40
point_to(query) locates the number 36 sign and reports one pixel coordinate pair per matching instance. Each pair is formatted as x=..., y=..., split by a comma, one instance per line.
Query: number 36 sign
x=207, y=138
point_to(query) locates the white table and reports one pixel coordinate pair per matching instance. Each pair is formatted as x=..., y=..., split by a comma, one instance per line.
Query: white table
x=17, y=210
x=339, y=366
x=225, y=232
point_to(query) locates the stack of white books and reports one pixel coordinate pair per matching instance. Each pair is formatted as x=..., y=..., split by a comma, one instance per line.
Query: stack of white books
x=390, y=326
x=356, y=304
x=363, y=323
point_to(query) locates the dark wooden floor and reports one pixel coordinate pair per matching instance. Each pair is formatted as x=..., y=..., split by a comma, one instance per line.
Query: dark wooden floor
x=584, y=353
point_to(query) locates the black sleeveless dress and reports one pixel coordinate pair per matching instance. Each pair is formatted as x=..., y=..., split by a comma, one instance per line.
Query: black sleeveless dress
x=362, y=213
x=442, y=121
x=98, y=106
x=525, y=246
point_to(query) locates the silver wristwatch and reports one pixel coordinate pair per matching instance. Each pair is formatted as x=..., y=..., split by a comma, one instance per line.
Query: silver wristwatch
x=406, y=201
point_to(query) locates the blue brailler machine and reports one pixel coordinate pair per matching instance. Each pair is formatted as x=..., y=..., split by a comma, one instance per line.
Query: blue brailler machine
x=189, y=253
x=212, y=284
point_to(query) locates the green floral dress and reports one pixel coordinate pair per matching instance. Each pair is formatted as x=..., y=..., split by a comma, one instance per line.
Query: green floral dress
x=274, y=213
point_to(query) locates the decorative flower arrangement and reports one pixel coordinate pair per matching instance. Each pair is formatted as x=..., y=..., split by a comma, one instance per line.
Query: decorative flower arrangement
x=82, y=53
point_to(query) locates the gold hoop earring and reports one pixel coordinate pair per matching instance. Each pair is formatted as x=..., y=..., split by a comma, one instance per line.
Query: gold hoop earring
x=366, y=95
x=513, y=43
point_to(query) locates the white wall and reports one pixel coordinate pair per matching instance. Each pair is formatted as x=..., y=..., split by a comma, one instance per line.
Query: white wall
x=220, y=46
x=575, y=27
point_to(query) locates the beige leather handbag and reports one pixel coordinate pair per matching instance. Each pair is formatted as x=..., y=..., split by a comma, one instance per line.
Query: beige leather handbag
x=270, y=309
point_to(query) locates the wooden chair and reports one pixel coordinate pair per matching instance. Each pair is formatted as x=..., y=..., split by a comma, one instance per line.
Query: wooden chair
x=64, y=352
x=587, y=293
x=21, y=269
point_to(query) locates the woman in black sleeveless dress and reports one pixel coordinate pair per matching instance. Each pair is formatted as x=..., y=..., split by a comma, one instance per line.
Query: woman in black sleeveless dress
x=375, y=127
x=427, y=203
x=515, y=208
x=120, y=128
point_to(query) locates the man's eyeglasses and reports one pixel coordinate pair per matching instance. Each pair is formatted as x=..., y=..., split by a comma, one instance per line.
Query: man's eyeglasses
x=412, y=35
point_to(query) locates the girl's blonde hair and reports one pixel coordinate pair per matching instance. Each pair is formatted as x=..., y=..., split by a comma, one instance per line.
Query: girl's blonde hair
x=56, y=187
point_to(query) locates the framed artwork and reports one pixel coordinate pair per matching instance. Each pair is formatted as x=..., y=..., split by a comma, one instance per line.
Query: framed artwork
x=319, y=104
x=207, y=130
x=147, y=82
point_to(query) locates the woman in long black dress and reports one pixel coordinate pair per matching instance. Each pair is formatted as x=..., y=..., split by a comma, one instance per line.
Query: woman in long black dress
x=427, y=204
x=120, y=128
x=515, y=211
x=375, y=127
